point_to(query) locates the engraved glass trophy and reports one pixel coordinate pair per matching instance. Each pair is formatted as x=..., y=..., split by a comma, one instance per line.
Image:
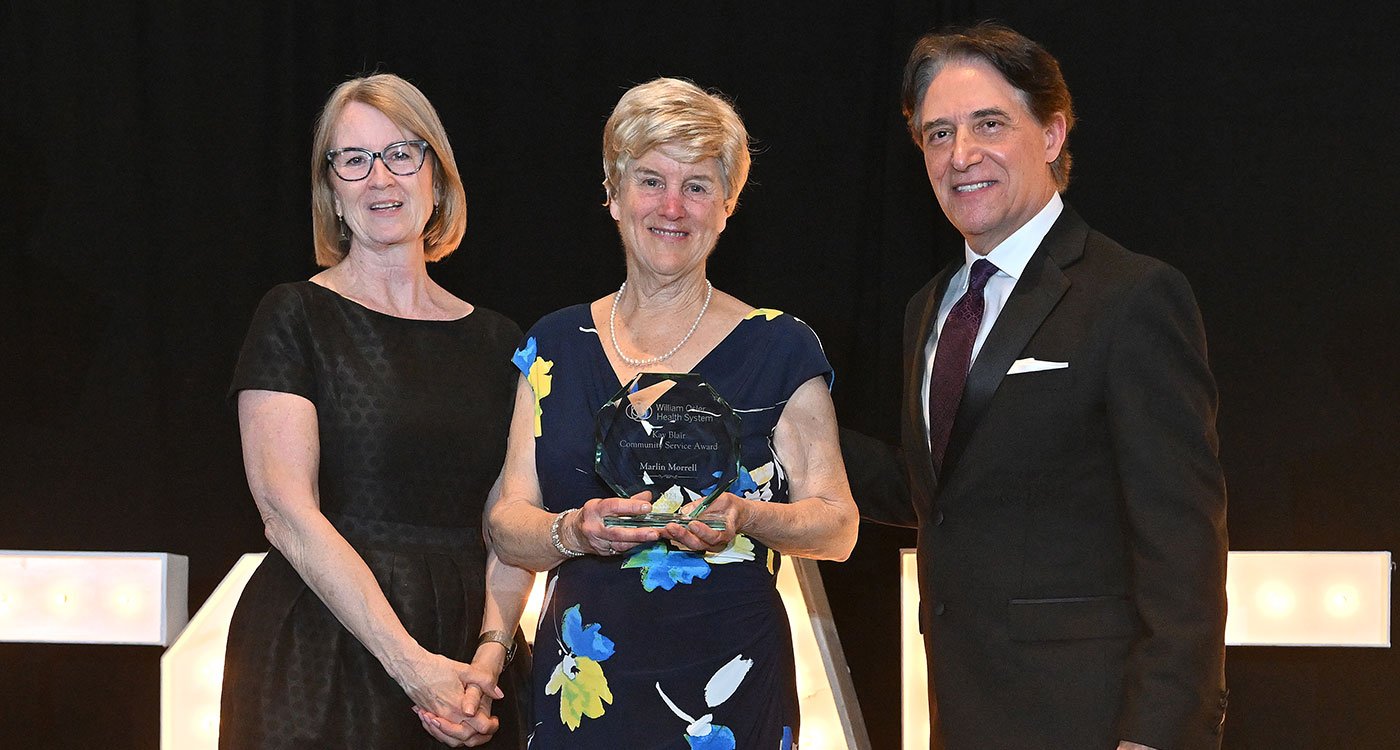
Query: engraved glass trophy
x=672, y=435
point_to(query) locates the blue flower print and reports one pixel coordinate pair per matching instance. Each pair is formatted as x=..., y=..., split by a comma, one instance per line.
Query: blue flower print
x=702, y=733
x=744, y=484
x=663, y=567
x=536, y=371
x=525, y=357
x=588, y=641
x=719, y=738
x=578, y=679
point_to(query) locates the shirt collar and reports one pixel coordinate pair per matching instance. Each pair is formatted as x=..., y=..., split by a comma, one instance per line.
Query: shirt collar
x=1012, y=255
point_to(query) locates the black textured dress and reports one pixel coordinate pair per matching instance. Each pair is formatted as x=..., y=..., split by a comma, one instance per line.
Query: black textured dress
x=413, y=416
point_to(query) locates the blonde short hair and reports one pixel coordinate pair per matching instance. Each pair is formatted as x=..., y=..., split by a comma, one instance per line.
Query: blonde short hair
x=407, y=108
x=691, y=123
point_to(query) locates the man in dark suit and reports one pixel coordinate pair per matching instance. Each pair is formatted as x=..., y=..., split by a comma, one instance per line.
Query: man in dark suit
x=1059, y=446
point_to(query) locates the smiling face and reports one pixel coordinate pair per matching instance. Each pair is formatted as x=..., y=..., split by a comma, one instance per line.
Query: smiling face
x=670, y=213
x=987, y=157
x=383, y=210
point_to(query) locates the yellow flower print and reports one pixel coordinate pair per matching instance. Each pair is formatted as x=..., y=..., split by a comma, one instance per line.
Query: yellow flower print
x=583, y=693
x=741, y=549
x=540, y=381
x=536, y=371
x=578, y=679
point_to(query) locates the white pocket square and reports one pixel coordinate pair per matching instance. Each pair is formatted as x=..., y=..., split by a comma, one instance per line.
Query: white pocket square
x=1031, y=364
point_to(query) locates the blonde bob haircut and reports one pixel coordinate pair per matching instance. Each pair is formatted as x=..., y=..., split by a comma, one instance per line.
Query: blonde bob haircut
x=407, y=108
x=690, y=123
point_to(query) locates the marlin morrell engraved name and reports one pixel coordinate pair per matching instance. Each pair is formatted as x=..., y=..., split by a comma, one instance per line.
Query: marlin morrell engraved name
x=646, y=466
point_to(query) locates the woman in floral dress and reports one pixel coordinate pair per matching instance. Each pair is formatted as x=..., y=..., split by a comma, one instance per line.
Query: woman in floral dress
x=672, y=637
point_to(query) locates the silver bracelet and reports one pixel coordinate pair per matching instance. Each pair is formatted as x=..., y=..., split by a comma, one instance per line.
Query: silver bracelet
x=501, y=637
x=554, y=535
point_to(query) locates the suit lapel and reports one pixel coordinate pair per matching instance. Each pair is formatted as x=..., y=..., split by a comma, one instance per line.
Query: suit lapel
x=914, y=415
x=1036, y=293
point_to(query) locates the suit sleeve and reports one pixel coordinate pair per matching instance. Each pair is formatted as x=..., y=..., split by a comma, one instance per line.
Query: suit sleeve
x=878, y=481
x=1162, y=405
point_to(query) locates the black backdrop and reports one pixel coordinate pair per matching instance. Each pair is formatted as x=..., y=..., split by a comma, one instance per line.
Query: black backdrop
x=154, y=161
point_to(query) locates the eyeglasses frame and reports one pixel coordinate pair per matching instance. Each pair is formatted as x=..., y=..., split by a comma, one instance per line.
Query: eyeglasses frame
x=331, y=154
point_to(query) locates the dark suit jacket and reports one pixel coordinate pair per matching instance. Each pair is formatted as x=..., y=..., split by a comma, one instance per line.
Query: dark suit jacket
x=1072, y=554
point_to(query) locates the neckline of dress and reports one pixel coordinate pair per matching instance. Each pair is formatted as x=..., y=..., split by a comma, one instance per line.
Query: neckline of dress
x=383, y=314
x=607, y=362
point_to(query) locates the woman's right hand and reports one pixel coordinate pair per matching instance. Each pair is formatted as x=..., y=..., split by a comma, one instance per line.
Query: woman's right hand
x=440, y=685
x=699, y=537
x=585, y=531
x=476, y=730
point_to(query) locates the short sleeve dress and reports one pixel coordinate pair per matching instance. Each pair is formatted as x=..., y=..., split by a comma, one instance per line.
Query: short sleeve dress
x=413, y=417
x=663, y=647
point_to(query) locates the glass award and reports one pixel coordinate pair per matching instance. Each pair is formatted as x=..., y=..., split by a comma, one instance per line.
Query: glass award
x=673, y=435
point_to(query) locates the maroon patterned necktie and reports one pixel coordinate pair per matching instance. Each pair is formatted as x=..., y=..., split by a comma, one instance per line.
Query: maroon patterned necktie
x=953, y=357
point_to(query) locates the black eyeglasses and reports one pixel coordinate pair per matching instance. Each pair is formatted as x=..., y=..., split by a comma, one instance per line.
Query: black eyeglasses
x=403, y=158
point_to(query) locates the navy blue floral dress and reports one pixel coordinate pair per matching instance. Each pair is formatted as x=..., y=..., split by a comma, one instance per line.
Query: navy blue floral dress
x=663, y=647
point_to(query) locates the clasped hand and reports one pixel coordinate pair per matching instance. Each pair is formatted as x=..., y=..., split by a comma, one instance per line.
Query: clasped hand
x=475, y=729
x=453, y=700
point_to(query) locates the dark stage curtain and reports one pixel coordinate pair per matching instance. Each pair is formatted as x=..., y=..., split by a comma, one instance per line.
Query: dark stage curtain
x=155, y=159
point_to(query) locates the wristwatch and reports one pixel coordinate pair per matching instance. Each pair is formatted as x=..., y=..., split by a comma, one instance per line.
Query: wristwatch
x=501, y=637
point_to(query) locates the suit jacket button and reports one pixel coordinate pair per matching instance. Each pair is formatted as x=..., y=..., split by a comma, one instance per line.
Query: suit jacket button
x=939, y=608
x=938, y=518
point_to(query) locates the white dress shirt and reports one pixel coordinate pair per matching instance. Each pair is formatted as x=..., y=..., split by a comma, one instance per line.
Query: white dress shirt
x=1010, y=258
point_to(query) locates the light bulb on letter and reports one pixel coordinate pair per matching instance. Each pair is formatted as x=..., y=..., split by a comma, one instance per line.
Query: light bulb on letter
x=1276, y=599
x=1342, y=600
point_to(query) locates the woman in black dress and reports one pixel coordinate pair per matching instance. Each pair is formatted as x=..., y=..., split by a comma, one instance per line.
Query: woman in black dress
x=374, y=407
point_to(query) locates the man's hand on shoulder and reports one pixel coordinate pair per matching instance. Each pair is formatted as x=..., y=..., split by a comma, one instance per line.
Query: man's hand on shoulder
x=1126, y=745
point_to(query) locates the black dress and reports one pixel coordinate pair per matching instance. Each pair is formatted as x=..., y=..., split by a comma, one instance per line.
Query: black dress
x=412, y=416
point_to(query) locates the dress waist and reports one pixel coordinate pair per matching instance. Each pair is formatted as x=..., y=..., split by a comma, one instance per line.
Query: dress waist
x=393, y=536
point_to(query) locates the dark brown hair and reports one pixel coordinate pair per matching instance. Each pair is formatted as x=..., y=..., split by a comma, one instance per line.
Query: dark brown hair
x=1033, y=72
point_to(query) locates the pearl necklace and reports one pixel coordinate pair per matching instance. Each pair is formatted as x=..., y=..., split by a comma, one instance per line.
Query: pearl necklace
x=612, y=328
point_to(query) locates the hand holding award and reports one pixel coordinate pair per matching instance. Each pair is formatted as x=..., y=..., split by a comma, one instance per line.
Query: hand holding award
x=672, y=435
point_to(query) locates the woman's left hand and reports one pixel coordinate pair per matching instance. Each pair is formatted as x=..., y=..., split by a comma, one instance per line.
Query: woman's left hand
x=477, y=729
x=699, y=537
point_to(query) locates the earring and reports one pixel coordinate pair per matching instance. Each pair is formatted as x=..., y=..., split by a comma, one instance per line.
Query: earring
x=344, y=233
